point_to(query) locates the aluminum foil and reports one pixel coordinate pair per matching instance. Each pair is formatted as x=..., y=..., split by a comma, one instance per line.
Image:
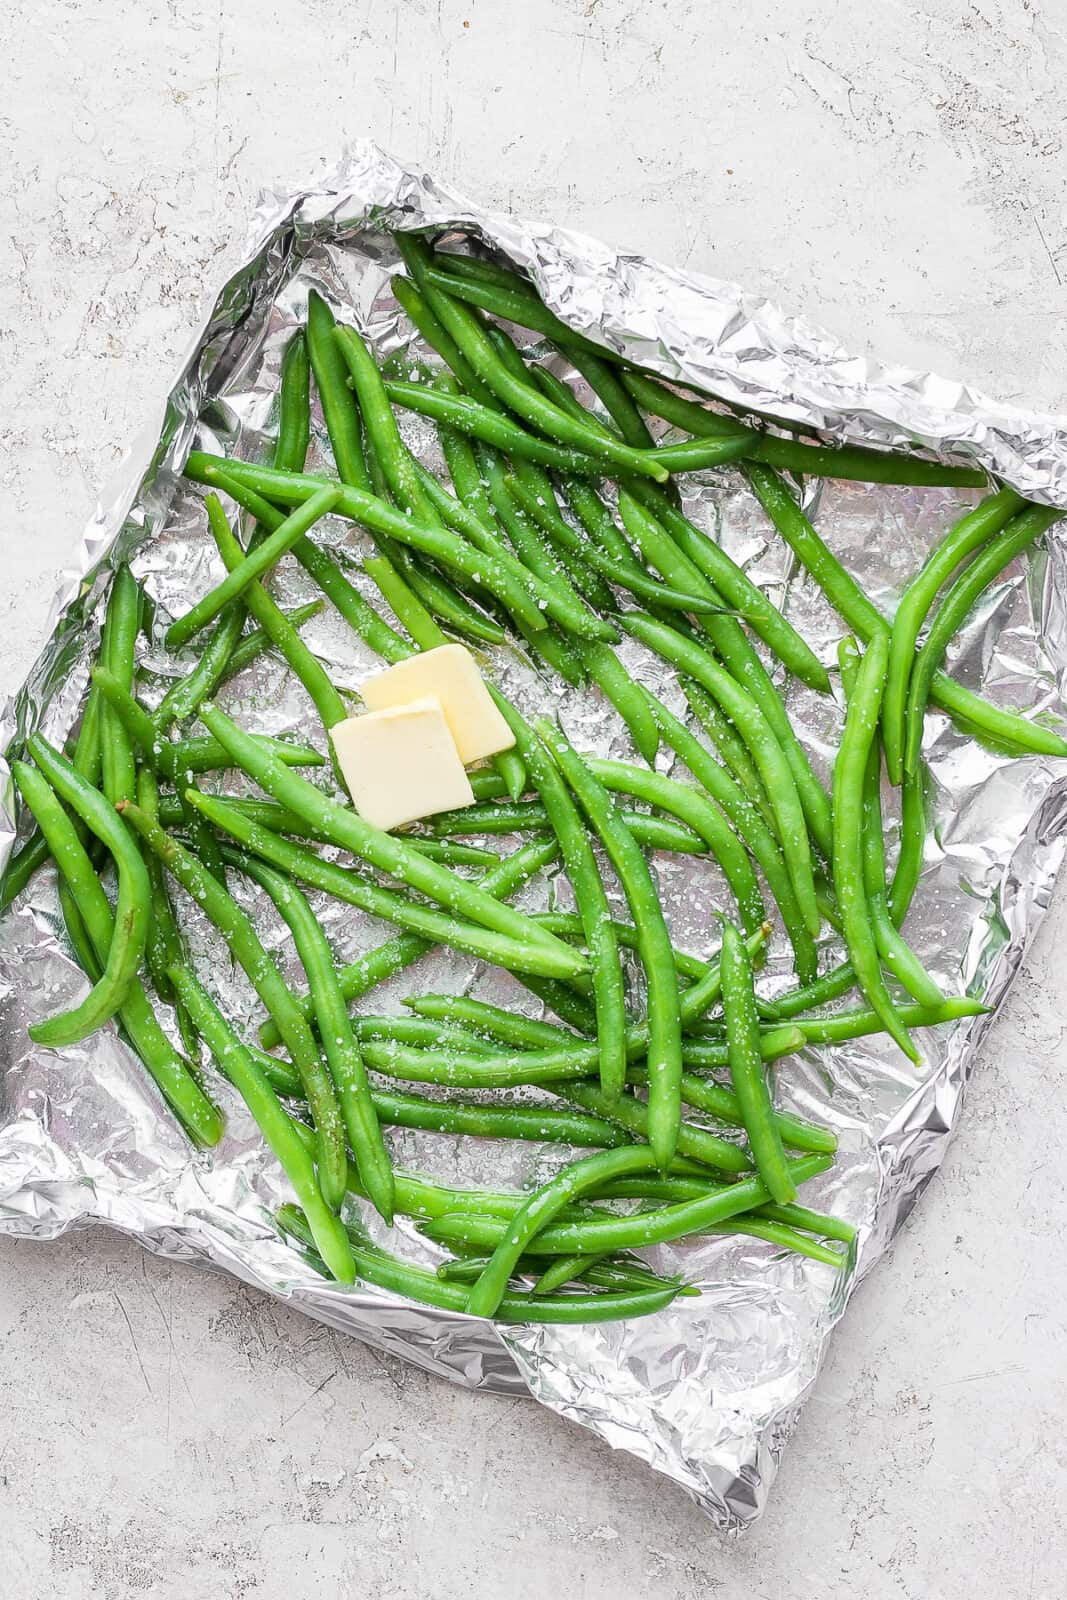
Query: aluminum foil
x=708, y=1391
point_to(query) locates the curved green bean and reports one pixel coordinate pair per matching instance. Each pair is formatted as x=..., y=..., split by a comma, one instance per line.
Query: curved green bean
x=132, y=906
x=201, y=1120
x=541, y=1209
x=954, y=609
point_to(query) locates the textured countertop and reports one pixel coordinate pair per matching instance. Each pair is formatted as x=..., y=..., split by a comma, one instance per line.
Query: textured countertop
x=899, y=178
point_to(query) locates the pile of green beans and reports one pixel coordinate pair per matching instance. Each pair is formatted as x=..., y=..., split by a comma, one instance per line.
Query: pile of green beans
x=561, y=534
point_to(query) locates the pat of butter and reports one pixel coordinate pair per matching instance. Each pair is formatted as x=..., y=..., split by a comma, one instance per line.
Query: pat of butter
x=401, y=764
x=448, y=674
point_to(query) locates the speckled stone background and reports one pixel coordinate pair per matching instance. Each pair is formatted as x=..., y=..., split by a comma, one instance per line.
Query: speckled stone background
x=896, y=172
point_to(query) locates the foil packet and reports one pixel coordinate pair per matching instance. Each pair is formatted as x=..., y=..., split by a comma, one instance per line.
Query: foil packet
x=708, y=1391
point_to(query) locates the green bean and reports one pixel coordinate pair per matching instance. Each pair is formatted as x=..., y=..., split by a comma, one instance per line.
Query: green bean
x=811, y=1221
x=654, y=945
x=540, y=1210
x=338, y=405
x=488, y=1120
x=86, y=760
x=665, y=535
x=253, y=565
x=646, y=1228
x=746, y=1068
x=850, y=770
x=132, y=907
x=697, y=812
x=955, y=609
x=771, y=762
x=831, y=986
x=844, y=1025
x=912, y=845
x=184, y=696
x=738, y=590
x=697, y=1143
x=317, y=562
x=416, y=1283
x=493, y=427
x=829, y=461
x=564, y=1270
x=418, y=310
x=504, y=946
x=570, y=927
x=240, y=1068
x=758, y=838
x=528, y=403
x=568, y=608
x=306, y=666
x=731, y=747
x=377, y=965
x=984, y=720
x=778, y=1040
x=335, y=1030
x=501, y=575
x=117, y=653
x=565, y=820
x=252, y=645
x=519, y=304
x=605, y=383
x=653, y=833
x=163, y=946
x=973, y=530
x=723, y=1104
x=194, y=1111
x=247, y=950
x=176, y=761
x=627, y=575
x=895, y=952
x=509, y=1026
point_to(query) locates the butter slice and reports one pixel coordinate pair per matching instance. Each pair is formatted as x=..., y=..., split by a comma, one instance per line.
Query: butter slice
x=448, y=674
x=401, y=764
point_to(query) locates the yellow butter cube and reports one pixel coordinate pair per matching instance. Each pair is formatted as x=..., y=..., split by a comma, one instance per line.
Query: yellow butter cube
x=448, y=674
x=401, y=763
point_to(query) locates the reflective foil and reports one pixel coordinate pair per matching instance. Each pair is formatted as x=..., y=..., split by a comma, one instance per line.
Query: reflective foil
x=708, y=1391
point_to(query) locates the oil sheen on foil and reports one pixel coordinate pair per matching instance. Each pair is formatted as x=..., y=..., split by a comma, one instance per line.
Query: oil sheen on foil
x=708, y=1391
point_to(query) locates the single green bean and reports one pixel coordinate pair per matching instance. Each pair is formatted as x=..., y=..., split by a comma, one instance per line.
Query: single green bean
x=747, y=1072
x=863, y=617
x=338, y=405
x=973, y=530
x=698, y=812
x=591, y=899
x=844, y=1025
x=117, y=648
x=830, y=461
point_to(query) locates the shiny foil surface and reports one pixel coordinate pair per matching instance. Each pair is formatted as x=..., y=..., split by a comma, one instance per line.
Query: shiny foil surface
x=708, y=1391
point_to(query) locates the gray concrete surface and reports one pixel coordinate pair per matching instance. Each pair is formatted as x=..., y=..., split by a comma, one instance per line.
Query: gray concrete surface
x=899, y=178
